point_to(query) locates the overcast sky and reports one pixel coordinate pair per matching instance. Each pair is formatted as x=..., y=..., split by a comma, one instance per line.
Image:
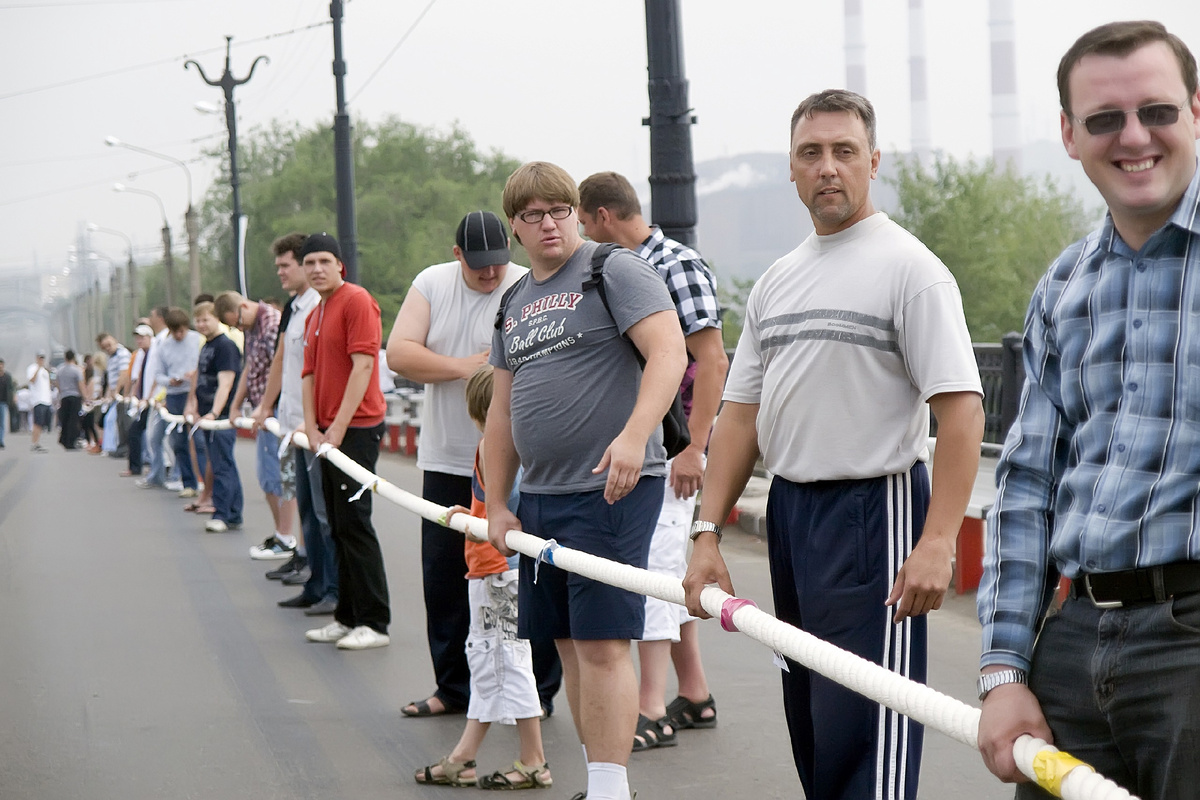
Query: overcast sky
x=558, y=80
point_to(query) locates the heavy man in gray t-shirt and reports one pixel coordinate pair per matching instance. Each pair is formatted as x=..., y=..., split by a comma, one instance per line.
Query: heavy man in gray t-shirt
x=572, y=406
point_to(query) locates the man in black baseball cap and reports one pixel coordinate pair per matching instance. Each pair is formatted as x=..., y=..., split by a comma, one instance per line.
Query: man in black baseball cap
x=441, y=336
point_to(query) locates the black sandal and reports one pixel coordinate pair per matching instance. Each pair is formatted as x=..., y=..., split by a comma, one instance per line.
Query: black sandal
x=652, y=733
x=683, y=713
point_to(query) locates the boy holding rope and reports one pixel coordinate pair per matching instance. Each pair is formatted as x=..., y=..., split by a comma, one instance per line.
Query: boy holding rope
x=503, y=688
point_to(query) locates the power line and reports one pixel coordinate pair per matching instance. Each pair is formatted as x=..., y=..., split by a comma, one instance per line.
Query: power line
x=158, y=63
x=388, y=57
x=77, y=4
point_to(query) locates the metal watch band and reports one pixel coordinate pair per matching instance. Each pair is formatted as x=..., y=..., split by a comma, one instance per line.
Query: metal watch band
x=700, y=526
x=998, y=678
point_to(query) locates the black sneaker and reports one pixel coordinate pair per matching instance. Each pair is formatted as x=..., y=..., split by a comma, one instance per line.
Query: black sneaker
x=296, y=564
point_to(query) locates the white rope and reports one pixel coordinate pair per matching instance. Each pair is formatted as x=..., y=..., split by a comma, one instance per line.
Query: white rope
x=1055, y=771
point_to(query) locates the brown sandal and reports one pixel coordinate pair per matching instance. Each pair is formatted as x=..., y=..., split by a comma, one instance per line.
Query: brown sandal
x=451, y=774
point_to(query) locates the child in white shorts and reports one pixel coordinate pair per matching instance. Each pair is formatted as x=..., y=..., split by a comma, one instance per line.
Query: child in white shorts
x=503, y=688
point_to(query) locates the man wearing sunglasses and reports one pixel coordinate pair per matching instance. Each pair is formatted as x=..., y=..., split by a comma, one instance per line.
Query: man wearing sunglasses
x=1100, y=475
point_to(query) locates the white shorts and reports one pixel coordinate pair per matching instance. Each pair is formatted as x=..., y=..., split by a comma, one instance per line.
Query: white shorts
x=503, y=688
x=668, y=556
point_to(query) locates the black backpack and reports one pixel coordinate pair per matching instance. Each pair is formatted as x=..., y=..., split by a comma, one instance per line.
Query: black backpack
x=676, y=436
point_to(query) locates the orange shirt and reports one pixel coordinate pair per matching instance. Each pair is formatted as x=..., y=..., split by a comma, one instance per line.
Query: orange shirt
x=482, y=558
x=348, y=322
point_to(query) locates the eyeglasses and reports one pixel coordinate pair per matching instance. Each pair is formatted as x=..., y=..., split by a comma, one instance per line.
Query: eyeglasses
x=1155, y=115
x=534, y=216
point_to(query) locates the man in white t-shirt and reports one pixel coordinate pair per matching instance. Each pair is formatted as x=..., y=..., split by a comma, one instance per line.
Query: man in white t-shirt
x=40, y=398
x=313, y=561
x=848, y=342
x=441, y=336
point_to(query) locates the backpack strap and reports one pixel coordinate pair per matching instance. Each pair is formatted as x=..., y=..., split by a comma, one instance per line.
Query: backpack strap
x=596, y=275
x=508, y=293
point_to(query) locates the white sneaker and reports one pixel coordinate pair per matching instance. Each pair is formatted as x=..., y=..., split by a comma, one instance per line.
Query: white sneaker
x=363, y=638
x=330, y=633
x=173, y=486
x=216, y=526
x=271, y=549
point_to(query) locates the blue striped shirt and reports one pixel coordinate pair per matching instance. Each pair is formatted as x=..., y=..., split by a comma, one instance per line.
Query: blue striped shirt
x=1101, y=469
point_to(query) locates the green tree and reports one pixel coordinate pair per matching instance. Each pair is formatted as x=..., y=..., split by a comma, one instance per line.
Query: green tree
x=997, y=231
x=413, y=185
x=733, y=306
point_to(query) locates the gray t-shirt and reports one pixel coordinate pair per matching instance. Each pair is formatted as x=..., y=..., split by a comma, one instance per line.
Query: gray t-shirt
x=69, y=377
x=575, y=376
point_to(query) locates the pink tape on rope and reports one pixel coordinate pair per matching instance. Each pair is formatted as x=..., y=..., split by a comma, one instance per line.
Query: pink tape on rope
x=728, y=607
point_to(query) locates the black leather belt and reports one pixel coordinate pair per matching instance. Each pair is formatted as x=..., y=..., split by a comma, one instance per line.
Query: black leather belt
x=1145, y=585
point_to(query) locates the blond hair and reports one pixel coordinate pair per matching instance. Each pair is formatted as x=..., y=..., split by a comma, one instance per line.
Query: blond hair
x=479, y=394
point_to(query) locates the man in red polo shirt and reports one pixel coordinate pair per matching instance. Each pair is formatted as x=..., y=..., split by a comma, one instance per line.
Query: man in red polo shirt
x=344, y=407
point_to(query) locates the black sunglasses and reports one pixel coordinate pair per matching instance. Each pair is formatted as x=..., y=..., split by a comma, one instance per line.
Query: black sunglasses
x=1155, y=115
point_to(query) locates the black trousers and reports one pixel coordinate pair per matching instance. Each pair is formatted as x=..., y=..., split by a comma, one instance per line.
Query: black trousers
x=136, y=435
x=444, y=570
x=68, y=420
x=447, y=612
x=363, y=590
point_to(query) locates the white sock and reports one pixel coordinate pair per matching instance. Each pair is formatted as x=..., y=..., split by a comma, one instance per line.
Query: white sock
x=607, y=781
x=289, y=541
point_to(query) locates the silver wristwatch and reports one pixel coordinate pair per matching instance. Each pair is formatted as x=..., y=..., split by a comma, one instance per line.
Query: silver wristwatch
x=1000, y=677
x=700, y=526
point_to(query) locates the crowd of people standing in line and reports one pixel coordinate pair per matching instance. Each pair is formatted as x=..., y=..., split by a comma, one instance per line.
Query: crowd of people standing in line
x=547, y=386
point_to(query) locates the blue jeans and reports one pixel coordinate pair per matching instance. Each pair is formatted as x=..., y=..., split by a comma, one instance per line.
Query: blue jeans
x=3, y=422
x=1118, y=688
x=179, y=442
x=266, y=449
x=227, y=483
x=318, y=540
x=156, y=431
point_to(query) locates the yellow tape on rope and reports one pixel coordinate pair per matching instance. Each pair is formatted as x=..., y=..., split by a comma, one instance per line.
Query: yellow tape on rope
x=1052, y=766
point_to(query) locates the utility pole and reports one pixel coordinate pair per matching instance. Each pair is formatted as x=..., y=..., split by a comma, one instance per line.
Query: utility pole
x=227, y=84
x=672, y=173
x=343, y=152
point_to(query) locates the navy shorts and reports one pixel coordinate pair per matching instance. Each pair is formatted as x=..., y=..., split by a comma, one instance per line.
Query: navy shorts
x=43, y=415
x=563, y=605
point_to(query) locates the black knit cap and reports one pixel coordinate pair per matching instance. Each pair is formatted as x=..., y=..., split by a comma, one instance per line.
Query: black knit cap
x=321, y=243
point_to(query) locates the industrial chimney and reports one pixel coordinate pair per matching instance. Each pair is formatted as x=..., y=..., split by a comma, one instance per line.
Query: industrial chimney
x=918, y=83
x=1006, y=127
x=856, y=48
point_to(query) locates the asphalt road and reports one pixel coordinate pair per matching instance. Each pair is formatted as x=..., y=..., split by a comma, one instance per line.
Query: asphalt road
x=144, y=658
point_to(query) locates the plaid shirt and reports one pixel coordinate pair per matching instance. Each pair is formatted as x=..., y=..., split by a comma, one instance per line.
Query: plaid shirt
x=260, y=350
x=691, y=283
x=693, y=290
x=1101, y=469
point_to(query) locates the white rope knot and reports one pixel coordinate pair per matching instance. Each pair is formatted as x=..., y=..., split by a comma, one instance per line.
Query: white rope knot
x=323, y=449
x=368, y=486
x=172, y=428
x=546, y=554
x=285, y=443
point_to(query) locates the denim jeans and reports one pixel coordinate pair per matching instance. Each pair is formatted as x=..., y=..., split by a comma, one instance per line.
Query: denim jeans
x=227, y=483
x=3, y=422
x=1119, y=691
x=318, y=541
x=157, y=429
x=179, y=442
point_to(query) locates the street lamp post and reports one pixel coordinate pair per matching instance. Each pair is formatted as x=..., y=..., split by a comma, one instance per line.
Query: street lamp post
x=168, y=259
x=191, y=224
x=130, y=268
x=228, y=83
